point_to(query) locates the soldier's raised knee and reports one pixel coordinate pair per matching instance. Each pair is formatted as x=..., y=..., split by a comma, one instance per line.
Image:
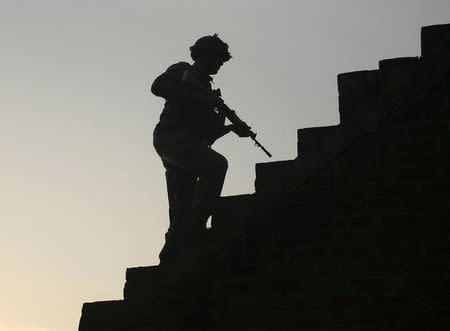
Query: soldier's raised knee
x=224, y=163
x=220, y=163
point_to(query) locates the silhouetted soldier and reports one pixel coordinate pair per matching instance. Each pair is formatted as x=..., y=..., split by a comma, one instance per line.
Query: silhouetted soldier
x=188, y=126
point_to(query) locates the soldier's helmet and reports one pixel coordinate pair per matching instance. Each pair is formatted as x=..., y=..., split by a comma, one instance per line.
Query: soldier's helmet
x=210, y=47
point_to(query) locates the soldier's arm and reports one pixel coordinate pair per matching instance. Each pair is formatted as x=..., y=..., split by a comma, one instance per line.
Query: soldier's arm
x=220, y=133
x=241, y=132
x=169, y=86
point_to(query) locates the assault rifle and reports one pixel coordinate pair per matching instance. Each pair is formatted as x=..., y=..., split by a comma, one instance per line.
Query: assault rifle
x=189, y=78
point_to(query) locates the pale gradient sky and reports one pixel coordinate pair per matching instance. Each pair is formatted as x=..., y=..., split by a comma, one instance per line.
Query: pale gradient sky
x=82, y=191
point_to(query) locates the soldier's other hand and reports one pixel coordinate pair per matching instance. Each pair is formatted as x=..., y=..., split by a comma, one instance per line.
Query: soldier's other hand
x=212, y=100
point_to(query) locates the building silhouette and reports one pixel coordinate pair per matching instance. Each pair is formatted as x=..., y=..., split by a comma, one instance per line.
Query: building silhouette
x=350, y=235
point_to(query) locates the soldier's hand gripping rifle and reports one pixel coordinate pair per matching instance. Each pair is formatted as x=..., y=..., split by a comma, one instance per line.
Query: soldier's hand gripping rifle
x=229, y=113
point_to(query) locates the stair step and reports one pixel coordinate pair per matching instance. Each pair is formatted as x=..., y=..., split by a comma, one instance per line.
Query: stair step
x=155, y=284
x=433, y=39
x=399, y=78
x=144, y=282
x=116, y=315
x=232, y=214
x=143, y=273
x=126, y=315
x=358, y=102
x=276, y=177
x=318, y=145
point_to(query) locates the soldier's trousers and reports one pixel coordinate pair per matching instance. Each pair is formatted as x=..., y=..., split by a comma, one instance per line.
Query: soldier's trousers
x=195, y=174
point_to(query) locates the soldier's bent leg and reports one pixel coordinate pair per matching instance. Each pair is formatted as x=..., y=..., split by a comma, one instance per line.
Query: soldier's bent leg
x=194, y=156
x=180, y=190
x=181, y=185
x=209, y=186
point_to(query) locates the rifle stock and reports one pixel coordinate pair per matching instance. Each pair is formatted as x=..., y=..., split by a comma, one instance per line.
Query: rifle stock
x=229, y=113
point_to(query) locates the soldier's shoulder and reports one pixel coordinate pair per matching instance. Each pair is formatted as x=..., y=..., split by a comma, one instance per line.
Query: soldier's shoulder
x=179, y=66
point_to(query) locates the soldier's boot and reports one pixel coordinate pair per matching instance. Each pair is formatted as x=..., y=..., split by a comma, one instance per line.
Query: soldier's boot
x=172, y=251
x=200, y=234
x=182, y=252
x=199, y=217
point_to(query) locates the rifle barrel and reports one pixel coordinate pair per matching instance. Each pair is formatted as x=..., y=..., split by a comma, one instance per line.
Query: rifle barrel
x=262, y=147
x=234, y=118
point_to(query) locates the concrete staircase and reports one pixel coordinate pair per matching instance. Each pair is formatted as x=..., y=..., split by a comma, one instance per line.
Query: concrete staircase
x=350, y=235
